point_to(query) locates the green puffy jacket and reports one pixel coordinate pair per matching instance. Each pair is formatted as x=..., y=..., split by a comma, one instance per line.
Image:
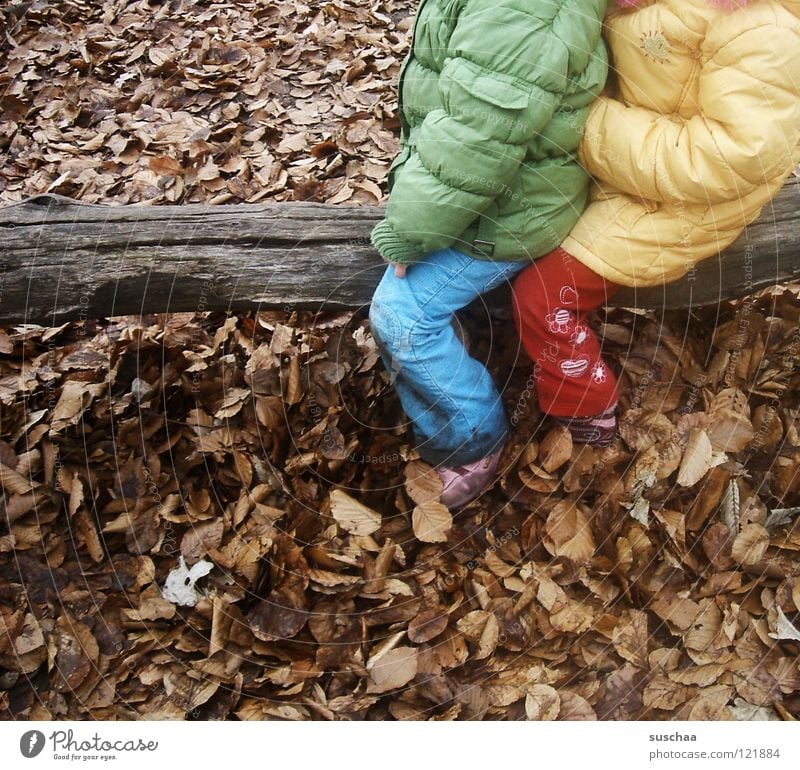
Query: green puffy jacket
x=493, y=98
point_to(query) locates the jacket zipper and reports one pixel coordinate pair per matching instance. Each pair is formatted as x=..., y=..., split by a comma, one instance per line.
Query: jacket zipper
x=404, y=128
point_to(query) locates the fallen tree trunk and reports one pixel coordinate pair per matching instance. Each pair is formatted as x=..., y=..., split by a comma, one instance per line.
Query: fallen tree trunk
x=63, y=260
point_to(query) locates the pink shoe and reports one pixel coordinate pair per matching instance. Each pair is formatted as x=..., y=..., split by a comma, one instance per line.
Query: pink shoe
x=466, y=482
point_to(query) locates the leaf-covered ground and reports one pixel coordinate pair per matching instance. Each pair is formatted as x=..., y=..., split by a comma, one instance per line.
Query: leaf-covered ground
x=657, y=579
x=194, y=101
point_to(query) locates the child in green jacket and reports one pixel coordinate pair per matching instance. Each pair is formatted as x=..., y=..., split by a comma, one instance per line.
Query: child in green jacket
x=493, y=99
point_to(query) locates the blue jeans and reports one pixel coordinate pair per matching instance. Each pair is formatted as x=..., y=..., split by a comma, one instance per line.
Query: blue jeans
x=450, y=398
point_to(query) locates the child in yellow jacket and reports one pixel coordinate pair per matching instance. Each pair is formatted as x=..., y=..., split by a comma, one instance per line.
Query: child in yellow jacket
x=702, y=131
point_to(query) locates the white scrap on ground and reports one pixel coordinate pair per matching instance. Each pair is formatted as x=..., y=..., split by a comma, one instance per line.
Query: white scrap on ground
x=179, y=585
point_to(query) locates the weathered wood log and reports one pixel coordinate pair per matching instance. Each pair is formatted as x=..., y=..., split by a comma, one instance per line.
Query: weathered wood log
x=63, y=260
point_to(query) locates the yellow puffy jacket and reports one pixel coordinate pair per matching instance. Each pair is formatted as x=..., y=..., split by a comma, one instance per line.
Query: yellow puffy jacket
x=703, y=131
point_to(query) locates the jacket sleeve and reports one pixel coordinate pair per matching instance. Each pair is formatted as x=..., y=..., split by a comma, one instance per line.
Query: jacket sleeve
x=745, y=134
x=495, y=95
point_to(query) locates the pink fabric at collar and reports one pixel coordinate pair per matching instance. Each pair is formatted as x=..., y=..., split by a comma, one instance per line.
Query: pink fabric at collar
x=727, y=4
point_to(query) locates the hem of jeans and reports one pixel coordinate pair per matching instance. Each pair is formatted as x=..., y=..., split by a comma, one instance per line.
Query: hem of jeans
x=454, y=459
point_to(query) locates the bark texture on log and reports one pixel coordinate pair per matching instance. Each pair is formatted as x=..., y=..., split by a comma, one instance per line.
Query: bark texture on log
x=63, y=260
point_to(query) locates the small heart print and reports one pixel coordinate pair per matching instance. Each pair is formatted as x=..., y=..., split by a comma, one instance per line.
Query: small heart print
x=574, y=367
x=568, y=295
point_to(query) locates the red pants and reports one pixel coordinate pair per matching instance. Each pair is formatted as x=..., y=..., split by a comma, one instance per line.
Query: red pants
x=552, y=298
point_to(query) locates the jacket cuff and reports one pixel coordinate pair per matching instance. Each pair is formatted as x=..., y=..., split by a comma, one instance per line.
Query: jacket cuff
x=392, y=247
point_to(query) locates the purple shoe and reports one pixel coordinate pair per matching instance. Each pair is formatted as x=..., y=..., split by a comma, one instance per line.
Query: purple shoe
x=466, y=482
x=598, y=430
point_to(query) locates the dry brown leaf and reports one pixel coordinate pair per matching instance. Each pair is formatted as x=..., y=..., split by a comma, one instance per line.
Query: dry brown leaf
x=75, y=398
x=189, y=691
x=498, y=566
x=391, y=670
x=757, y=686
x=77, y=654
x=575, y=708
x=15, y=482
x=28, y=650
x=711, y=705
x=664, y=659
x=232, y=403
x=785, y=629
x=623, y=697
x=730, y=431
x=729, y=398
x=575, y=618
x=631, y=637
x=662, y=693
x=642, y=429
x=698, y=675
x=750, y=544
x=704, y=629
x=542, y=703
x=152, y=608
x=383, y=563
x=451, y=649
x=6, y=345
x=427, y=625
x=431, y=521
x=785, y=670
x=330, y=579
x=675, y=525
x=423, y=483
x=688, y=422
x=294, y=388
x=669, y=457
x=717, y=542
x=679, y=612
x=509, y=686
x=767, y=427
x=750, y=712
x=352, y=516
x=538, y=480
x=569, y=533
x=696, y=460
x=555, y=449
x=200, y=539
x=796, y=593
x=280, y=616
x=707, y=499
x=10, y=628
x=482, y=628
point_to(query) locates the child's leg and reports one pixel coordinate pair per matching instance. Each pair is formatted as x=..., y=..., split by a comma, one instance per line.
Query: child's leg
x=450, y=398
x=551, y=300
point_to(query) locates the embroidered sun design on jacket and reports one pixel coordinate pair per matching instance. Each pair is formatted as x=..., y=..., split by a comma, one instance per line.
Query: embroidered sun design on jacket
x=656, y=46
